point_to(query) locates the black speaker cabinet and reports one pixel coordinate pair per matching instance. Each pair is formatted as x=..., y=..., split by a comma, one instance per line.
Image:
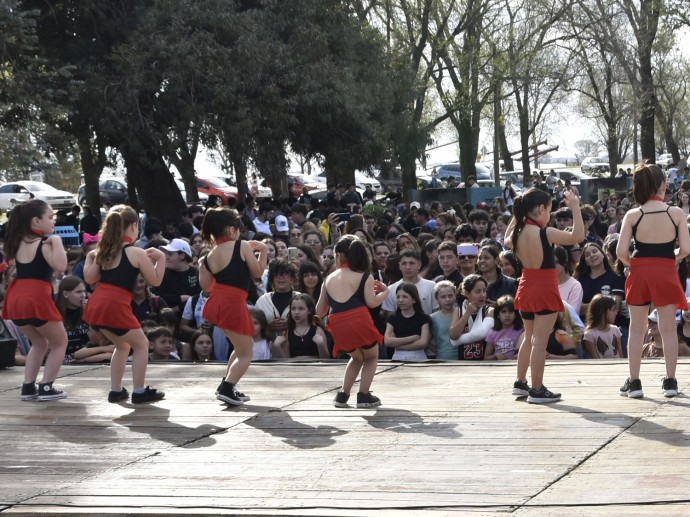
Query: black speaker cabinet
x=8, y=345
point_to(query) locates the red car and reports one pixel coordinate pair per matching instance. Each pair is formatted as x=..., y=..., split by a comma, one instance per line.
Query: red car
x=216, y=187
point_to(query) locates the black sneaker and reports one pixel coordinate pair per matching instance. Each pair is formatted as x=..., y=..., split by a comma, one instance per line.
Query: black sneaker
x=520, y=389
x=149, y=395
x=47, y=392
x=669, y=387
x=341, y=399
x=632, y=389
x=542, y=396
x=220, y=385
x=242, y=396
x=367, y=400
x=29, y=391
x=118, y=396
x=228, y=394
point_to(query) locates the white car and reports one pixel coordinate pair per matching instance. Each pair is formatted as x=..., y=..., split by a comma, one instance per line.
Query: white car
x=20, y=191
x=665, y=160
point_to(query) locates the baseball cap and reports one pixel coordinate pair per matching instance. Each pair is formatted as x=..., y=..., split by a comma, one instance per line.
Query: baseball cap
x=178, y=245
x=415, y=204
x=281, y=223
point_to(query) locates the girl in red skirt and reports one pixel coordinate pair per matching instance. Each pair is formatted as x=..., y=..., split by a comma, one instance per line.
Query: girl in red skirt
x=653, y=277
x=538, y=298
x=29, y=299
x=115, y=265
x=349, y=292
x=226, y=272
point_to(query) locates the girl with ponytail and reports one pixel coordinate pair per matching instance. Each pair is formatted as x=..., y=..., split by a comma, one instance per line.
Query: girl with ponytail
x=114, y=266
x=349, y=292
x=29, y=301
x=538, y=297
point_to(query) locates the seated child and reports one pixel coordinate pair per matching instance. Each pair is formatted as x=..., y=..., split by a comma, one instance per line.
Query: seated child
x=161, y=345
x=99, y=349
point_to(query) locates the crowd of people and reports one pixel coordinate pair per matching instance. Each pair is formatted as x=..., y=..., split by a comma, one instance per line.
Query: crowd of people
x=526, y=278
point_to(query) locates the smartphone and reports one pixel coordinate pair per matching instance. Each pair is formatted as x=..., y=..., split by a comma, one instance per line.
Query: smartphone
x=343, y=217
x=292, y=253
x=468, y=250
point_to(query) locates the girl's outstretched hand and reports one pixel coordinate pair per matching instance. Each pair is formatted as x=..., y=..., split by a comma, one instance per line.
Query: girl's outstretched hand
x=571, y=200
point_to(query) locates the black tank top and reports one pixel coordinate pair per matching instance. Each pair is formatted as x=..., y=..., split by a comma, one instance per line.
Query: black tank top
x=236, y=273
x=303, y=345
x=124, y=275
x=548, y=262
x=37, y=269
x=355, y=301
x=658, y=250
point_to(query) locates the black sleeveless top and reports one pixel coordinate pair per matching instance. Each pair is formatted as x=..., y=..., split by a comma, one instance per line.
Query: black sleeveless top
x=303, y=345
x=548, y=262
x=236, y=273
x=658, y=250
x=355, y=301
x=37, y=269
x=124, y=275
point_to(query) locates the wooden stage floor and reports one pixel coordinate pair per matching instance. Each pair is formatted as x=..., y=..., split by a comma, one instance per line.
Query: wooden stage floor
x=449, y=439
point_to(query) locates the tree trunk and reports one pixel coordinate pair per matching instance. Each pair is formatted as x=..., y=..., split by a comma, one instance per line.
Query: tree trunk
x=468, y=147
x=524, y=143
x=92, y=167
x=272, y=164
x=503, y=142
x=612, y=146
x=185, y=166
x=154, y=182
x=240, y=166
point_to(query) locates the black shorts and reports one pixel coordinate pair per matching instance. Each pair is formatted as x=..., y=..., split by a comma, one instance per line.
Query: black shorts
x=31, y=322
x=530, y=315
x=116, y=331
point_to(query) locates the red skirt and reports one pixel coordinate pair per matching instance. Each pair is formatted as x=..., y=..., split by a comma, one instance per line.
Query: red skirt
x=111, y=306
x=29, y=298
x=654, y=280
x=538, y=291
x=227, y=308
x=352, y=329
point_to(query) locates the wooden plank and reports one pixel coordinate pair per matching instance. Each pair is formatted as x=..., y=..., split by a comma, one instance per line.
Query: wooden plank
x=437, y=442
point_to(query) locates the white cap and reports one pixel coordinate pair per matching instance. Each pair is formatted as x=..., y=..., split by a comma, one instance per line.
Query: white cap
x=178, y=245
x=415, y=204
x=281, y=223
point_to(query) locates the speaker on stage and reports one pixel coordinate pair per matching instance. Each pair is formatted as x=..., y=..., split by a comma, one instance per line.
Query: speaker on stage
x=8, y=346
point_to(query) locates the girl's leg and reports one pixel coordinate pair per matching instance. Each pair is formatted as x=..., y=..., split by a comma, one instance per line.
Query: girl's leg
x=543, y=326
x=354, y=365
x=52, y=338
x=669, y=337
x=525, y=351
x=244, y=348
x=371, y=358
x=638, y=329
x=137, y=340
x=38, y=350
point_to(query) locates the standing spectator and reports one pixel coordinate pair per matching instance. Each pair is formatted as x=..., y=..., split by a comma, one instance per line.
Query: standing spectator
x=472, y=321
x=408, y=330
x=410, y=265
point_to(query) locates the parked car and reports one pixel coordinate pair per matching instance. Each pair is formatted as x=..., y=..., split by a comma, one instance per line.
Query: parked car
x=595, y=165
x=113, y=190
x=361, y=181
x=202, y=197
x=665, y=160
x=11, y=194
x=452, y=170
x=216, y=187
x=21, y=191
